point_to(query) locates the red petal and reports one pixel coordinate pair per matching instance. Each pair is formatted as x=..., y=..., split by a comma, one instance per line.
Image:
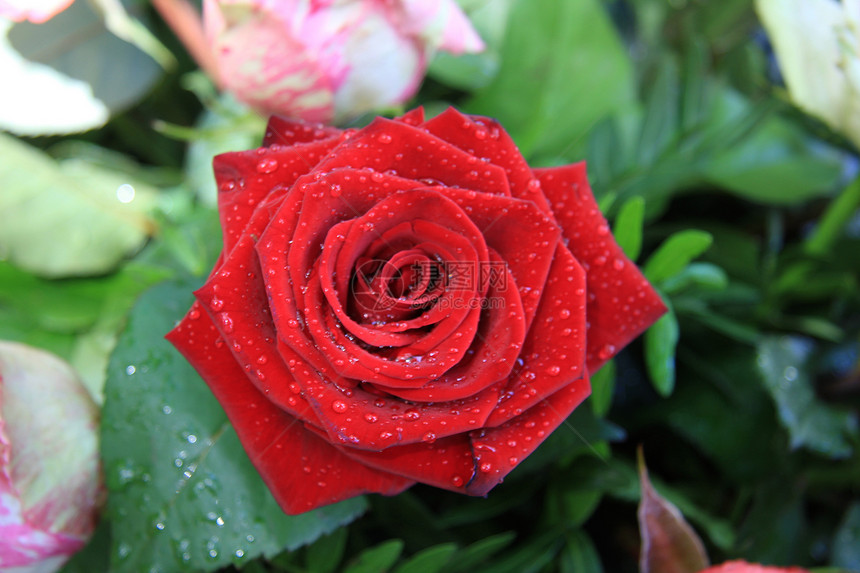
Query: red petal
x=351, y=414
x=621, y=302
x=504, y=222
x=302, y=471
x=246, y=178
x=553, y=355
x=284, y=131
x=447, y=463
x=486, y=138
x=499, y=450
x=390, y=146
x=413, y=116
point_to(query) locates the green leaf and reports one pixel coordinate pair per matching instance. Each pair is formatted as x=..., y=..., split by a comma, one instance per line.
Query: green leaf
x=325, y=554
x=660, y=123
x=579, y=554
x=564, y=67
x=70, y=73
x=183, y=494
x=377, y=559
x=602, y=388
x=846, y=542
x=675, y=253
x=69, y=218
x=812, y=424
x=477, y=553
x=779, y=163
x=703, y=275
x=472, y=71
x=660, y=342
x=431, y=560
x=628, y=226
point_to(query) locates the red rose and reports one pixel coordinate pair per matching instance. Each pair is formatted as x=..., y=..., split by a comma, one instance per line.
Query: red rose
x=744, y=567
x=407, y=302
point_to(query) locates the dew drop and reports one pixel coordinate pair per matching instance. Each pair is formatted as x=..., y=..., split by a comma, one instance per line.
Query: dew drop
x=267, y=165
x=606, y=352
x=457, y=481
x=339, y=406
x=486, y=467
x=383, y=138
x=553, y=370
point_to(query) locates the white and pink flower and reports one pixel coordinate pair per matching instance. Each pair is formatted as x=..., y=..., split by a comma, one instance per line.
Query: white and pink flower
x=36, y=11
x=50, y=486
x=328, y=60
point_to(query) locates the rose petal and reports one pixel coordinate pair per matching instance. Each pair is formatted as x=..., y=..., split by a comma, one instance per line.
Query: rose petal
x=287, y=132
x=398, y=148
x=360, y=417
x=301, y=470
x=485, y=138
x=621, y=302
x=553, y=355
x=499, y=450
x=272, y=168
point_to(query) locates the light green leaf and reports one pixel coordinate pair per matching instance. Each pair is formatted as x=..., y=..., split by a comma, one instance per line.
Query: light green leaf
x=69, y=218
x=660, y=342
x=183, y=494
x=675, y=253
x=70, y=73
x=602, y=387
x=564, y=68
x=628, y=226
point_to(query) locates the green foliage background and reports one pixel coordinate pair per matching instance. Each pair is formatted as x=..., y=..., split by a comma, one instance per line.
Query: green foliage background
x=740, y=209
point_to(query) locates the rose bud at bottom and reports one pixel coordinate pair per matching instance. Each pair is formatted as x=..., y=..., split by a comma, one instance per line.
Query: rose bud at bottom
x=50, y=485
x=406, y=302
x=744, y=567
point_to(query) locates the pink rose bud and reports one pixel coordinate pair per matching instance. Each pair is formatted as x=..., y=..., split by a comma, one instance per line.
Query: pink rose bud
x=744, y=567
x=329, y=60
x=36, y=11
x=50, y=486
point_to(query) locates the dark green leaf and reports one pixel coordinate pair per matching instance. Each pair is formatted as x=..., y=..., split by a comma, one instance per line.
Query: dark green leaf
x=846, y=543
x=183, y=494
x=579, y=554
x=477, y=553
x=325, y=554
x=431, y=560
x=782, y=362
x=377, y=559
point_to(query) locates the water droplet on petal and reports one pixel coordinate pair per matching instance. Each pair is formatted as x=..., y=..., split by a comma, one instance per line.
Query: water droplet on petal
x=606, y=352
x=553, y=370
x=267, y=165
x=339, y=406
